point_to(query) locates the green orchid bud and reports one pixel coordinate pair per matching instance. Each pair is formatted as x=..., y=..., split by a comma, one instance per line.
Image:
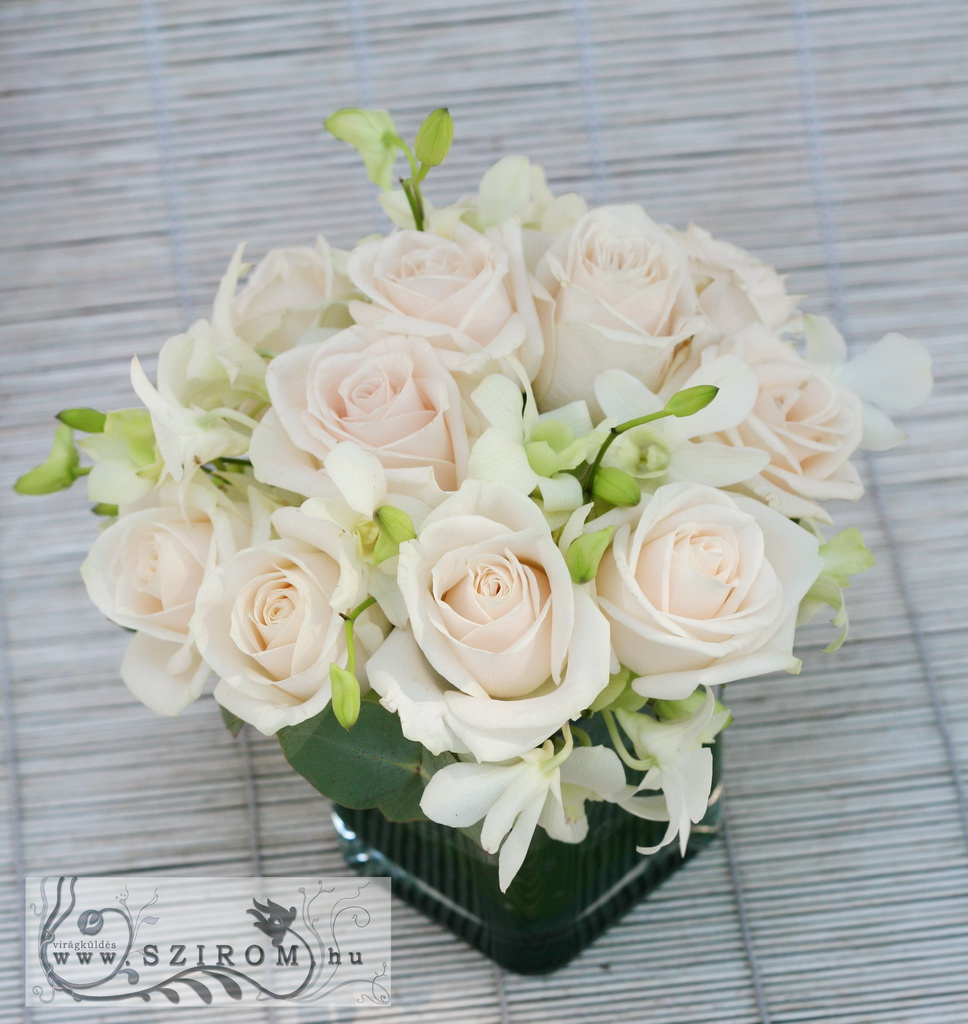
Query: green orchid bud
x=89, y=420
x=393, y=527
x=373, y=135
x=104, y=509
x=58, y=471
x=585, y=553
x=616, y=487
x=395, y=523
x=434, y=137
x=690, y=400
x=346, y=695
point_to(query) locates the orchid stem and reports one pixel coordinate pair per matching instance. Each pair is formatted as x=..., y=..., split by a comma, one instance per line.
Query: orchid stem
x=632, y=762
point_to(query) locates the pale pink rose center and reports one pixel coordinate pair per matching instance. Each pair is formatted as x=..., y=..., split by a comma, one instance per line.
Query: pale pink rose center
x=629, y=274
x=498, y=605
x=281, y=616
x=382, y=403
x=168, y=565
x=810, y=426
x=691, y=571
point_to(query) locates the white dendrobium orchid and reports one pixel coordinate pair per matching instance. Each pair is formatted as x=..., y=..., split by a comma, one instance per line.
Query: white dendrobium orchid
x=893, y=375
x=539, y=788
x=208, y=399
x=663, y=451
x=531, y=451
x=680, y=766
x=360, y=491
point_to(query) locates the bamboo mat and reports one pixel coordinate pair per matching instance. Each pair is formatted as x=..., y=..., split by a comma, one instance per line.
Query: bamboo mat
x=142, y=140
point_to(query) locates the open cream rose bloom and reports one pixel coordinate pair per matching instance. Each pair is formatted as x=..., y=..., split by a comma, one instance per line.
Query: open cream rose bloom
x=806, y=423
x=265, y=622
x=617, y=293
x=701, y=587
x=389, y=394
x=469, y=295
x=144, y=572
x=502, y=647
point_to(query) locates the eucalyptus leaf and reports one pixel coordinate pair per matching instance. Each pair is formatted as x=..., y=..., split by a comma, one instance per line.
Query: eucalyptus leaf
x=367, y=766
x=232, y=722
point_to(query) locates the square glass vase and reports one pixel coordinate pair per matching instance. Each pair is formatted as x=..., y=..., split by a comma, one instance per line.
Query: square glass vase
x=562, y=899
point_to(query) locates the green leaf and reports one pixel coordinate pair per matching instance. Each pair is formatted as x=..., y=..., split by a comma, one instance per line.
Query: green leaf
x=690, y=400
x=365, y=767
x=58, y=471
x=232, y=722
x=405, y=806
x=89, y=420
x=434, y=137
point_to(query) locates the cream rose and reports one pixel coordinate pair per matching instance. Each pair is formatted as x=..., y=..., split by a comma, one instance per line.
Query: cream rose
x=288, y=292
x=389, y=394
x=735, y=289
x=502, y=648
x=265, y=624
x=703, y=587
x=144, y=571
x=470, y=295
x=807, y=423
x=619, y=294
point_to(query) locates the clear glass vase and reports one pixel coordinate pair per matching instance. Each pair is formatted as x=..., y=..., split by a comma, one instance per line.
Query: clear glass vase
x=562, y=899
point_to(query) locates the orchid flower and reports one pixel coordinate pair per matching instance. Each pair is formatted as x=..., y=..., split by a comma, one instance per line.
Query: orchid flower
x=541, y=787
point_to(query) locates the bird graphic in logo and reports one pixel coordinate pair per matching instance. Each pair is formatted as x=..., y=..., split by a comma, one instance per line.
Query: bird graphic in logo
x=272, y=919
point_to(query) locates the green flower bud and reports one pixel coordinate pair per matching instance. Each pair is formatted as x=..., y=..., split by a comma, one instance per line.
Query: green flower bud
x=395, y=523
x=616, y=487
x=585, y=553
x=346, y=695
x=89, y=420
x=434, y=137
x=394, y=527
x=373, y=135
x=104, y=509
x=690, y=400
x=58, y=471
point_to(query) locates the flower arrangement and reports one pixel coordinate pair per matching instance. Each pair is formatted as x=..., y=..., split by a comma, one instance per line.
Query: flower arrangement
x=432, y=508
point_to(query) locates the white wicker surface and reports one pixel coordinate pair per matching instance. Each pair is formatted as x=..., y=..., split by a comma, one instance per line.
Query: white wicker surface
x=141, y=139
